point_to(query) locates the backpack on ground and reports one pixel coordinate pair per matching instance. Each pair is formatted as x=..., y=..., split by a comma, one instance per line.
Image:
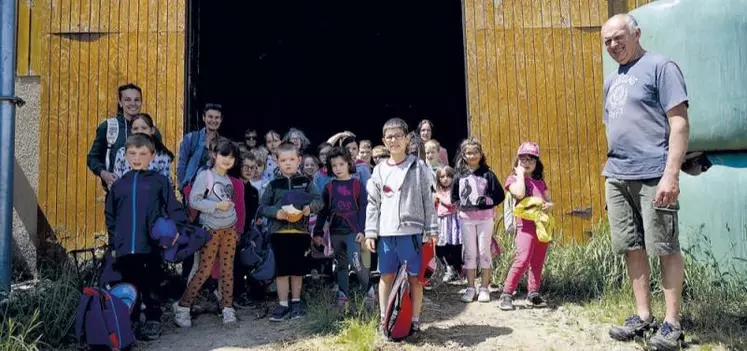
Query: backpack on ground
x=103, y=320
x=431, y=268
x=397, y=322
x=256, y=254
x=112, y=134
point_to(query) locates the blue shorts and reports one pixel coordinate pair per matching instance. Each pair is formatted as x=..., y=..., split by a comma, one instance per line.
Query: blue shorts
x=394, y=250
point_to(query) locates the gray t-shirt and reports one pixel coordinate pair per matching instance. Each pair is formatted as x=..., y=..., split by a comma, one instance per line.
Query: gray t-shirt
x=636, y=98
x=221, y=190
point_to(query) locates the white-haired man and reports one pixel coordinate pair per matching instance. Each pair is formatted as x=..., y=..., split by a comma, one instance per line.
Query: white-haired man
x=645, y=112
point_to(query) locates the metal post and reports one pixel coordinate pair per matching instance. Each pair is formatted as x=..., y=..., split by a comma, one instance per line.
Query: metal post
x=7, y=135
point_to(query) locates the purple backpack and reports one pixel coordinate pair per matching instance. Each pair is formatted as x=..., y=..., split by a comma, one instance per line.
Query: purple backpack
x=104, y=320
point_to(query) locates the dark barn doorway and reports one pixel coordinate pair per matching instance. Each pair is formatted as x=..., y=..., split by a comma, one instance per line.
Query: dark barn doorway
x=326, y=67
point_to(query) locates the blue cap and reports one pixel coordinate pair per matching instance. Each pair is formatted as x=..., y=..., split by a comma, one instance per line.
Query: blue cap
x=164, y=230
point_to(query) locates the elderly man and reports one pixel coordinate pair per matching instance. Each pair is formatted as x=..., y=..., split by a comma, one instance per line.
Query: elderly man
x=645, y=112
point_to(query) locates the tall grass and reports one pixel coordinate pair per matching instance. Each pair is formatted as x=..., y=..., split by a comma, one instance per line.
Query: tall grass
x=42, y=316
x=15, y=336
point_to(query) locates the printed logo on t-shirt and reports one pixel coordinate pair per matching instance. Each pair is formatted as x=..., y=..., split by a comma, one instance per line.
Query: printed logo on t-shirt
x=343, y=203
x=471, y=189
x=223, y=192
x=618, y=95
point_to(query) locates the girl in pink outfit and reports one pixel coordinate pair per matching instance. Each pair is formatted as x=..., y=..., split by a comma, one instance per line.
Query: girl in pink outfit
x=449, y=247
x=527, y=179
x=476, y=191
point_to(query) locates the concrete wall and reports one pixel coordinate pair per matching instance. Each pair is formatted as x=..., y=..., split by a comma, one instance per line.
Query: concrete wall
x=26, y=179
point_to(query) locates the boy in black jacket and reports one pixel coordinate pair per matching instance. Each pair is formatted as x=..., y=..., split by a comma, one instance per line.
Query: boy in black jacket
x=133, y=204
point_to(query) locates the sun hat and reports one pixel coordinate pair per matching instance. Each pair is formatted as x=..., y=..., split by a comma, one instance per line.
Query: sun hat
x=529, y=148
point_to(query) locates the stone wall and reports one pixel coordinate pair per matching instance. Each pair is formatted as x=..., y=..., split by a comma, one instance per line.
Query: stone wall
x=26, y=179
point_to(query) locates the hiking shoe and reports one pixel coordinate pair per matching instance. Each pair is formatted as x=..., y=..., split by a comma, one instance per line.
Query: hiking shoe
x=484, y=295
x=414, y=330
x=229, y=315
x=295, y=310
x=668, y=338
x=342, y=300
x=181, y=316
x=535, y=300
x=633, y=326
x=506, y=302
x=151, y=330
x=280, y=313
x=469, y=295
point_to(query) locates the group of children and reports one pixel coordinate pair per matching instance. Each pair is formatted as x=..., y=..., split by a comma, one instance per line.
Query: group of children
x=361, y=200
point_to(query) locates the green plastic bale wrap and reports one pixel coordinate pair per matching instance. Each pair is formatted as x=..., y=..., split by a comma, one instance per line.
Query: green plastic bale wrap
x=708, y=40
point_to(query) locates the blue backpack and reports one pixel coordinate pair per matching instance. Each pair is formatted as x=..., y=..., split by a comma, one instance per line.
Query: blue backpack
x=104, y=320
x=256, y=253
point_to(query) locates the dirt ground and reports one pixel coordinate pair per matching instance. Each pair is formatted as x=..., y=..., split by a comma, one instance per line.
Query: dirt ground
x=448, y=324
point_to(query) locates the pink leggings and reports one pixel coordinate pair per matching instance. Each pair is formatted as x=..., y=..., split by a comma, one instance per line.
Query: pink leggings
x=530, y=253
x=477, y=236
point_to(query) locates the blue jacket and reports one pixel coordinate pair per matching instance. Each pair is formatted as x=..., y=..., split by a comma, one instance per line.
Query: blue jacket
x=133, y=204
x=362, y=173
x=190, y=154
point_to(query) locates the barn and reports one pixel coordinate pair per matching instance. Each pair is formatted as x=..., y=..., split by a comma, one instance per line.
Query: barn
x=501, y=71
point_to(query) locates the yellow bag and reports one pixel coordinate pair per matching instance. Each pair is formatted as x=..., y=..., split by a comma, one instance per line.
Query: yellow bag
x=530, y=208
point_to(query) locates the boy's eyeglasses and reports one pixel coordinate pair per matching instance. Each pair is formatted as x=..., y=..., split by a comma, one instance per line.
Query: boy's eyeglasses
x=394, y=137
x=248, y=168
x=251, y=137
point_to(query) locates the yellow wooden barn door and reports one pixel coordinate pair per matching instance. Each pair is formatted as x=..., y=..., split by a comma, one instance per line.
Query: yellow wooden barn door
x=89, y=48
x=534, y=72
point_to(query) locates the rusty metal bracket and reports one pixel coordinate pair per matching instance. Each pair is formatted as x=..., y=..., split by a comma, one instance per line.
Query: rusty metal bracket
x=15, y=100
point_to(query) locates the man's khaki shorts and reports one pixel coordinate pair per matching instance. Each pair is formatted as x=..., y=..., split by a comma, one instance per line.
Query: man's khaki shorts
x=635, y=223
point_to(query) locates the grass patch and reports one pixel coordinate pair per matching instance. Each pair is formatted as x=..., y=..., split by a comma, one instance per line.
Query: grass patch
x=15, y=336
x=714, y=302
x=352, y=328
x=43, y=316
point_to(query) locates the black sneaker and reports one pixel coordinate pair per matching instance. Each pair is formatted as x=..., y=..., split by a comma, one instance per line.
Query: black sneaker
x=280, y=313
x=295, y=311
x=151, y=330
x=668, y=338
x=633, y=326
x=414, y=332
x=534, y=300
x=506, y=302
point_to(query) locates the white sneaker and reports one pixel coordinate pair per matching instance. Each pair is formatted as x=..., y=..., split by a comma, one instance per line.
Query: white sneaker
x=229, y=315
x=484, y=295
x=181, y=316
x=469, y=295
x=449, y=275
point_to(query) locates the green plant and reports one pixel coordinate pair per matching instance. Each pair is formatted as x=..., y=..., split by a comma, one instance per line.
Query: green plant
x=15, y=336
x=49, y=306
x=354, y=328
